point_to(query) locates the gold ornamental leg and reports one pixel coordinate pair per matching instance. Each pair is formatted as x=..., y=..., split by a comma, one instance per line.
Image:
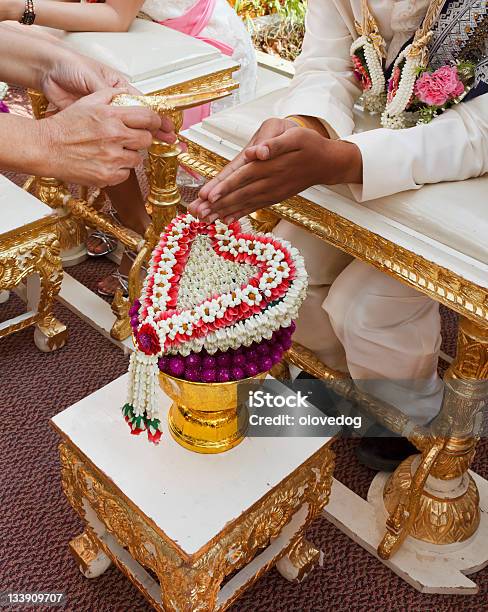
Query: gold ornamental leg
x=300, y=560
x=163, y=200
x=437, y=500
x=88, y=554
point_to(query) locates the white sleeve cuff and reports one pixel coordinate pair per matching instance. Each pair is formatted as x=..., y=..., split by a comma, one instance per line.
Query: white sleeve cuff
x=386, y=167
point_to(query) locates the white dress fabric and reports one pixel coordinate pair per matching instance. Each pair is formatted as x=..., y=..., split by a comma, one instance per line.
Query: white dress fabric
x=225, y=26
x=355, y=317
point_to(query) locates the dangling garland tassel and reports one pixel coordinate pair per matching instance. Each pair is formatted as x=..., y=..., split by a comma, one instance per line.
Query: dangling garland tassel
x=141, y=411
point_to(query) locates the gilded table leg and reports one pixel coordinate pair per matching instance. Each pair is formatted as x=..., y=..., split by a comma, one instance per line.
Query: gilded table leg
x=297, y=564
x=89, y=557
x=42, y=290
x=447, y=510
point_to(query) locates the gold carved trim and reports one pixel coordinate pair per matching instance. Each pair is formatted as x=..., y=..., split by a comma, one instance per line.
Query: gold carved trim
x=215, y=79
x=439, y=283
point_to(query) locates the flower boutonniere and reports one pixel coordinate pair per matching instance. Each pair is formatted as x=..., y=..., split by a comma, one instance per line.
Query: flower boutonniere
x=441, y=89
x=429, y=93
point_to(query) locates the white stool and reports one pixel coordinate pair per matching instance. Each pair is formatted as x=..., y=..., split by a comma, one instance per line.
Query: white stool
x=191, y=519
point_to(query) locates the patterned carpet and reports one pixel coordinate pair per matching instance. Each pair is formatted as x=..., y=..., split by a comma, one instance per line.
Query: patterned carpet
x=36, y=522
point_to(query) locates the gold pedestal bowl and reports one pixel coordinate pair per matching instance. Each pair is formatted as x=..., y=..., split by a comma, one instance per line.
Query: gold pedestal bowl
x=206, y=417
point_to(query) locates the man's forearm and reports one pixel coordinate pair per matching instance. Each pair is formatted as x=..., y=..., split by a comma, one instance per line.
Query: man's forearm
x=24, y=58
x=22, y=145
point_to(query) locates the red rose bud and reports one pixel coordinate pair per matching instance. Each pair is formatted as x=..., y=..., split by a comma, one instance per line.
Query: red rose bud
x=147, y=340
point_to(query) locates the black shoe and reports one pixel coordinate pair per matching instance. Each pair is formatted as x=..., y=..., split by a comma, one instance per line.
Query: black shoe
x=320, y=395
x=382, y=450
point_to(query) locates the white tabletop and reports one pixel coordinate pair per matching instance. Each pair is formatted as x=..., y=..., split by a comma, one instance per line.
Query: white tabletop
x=191, y=497
x=18, y=208
x=146, y=50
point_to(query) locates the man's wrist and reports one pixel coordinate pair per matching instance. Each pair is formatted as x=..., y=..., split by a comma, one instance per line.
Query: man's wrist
x=347, y=163
x=309, y=122
x=350, y=163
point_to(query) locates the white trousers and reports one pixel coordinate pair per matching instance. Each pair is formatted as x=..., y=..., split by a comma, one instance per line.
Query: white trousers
x=358, y=319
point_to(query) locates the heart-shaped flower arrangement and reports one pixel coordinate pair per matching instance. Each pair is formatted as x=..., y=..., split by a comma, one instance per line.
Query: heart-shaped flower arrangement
x=217, y=304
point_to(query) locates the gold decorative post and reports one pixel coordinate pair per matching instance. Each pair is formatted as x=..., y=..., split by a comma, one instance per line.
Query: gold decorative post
x=432, y=497
x=164, y=195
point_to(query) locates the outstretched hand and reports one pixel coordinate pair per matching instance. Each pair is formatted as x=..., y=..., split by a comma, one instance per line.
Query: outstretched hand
x=275, y=169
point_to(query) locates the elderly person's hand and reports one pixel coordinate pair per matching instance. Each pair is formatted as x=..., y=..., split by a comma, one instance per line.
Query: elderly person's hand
x=93, y=143
x=72, y=76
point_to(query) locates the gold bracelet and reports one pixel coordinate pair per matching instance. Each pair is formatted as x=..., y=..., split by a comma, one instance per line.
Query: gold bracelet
x=298, y=120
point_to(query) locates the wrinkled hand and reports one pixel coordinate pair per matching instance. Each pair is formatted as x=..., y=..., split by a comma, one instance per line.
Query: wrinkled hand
x=73, y=76
x=279, y=168
x=270, y=128
x=93, y=143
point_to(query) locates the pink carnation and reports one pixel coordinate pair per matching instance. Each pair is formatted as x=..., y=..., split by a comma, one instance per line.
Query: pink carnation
x=437, y=88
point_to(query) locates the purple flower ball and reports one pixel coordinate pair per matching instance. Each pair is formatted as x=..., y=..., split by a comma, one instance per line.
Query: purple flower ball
x=209, y=375
x=237, y=373
x=266, y=364
x=275, y=346
x=134, y=322
x=252, y=369
x=239, y=361
x=223, y=375
x=163, y=363
x=292, y=327
x=263, y=349
x=224, y=360
x=134, y=309
x=192, y=374
x=276, y=355
x=286, y=343
x=252, y=354
x=176, y=366
x=193, y=360
x=209, y=362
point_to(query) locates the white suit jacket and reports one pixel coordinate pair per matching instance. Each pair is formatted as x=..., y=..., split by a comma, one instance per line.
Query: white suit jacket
x=454, y=146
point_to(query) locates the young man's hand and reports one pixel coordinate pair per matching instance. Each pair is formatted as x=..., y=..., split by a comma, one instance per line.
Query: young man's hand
x=269, y=129
x=278, y=168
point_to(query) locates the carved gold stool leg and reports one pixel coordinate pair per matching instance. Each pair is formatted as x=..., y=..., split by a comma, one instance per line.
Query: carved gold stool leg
x=163, y=201
x=72, y=232
x=434, y=498
x=89, y=556
x=300, y=561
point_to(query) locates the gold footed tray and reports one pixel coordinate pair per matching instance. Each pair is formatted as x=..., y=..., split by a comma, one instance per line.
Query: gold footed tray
x=206, y=417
